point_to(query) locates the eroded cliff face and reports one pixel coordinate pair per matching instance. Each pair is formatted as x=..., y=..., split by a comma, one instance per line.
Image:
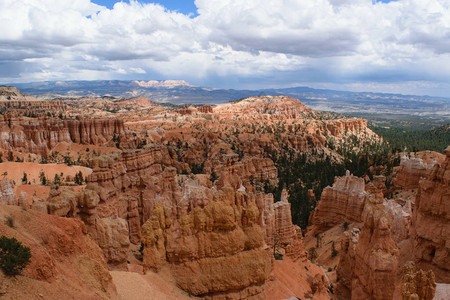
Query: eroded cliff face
x=369, y=258
x=343, y=202
x=223, y=247
x=415, y=167
x=212, y=250
x=41, y=135
x=431, y=221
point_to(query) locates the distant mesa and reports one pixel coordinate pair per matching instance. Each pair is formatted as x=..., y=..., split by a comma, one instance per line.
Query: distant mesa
x=164, y=83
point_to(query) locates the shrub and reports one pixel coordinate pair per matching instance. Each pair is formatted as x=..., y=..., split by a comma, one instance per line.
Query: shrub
x=24, y=178
x=278, y=256
x=42, y=177
x=334, y=252
x=312, y=254
x=9, y=221
x=13, y=256
x=79, y=178
x=345, y=225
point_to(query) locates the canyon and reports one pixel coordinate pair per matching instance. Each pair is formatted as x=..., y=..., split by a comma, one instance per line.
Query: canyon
x=186, y=196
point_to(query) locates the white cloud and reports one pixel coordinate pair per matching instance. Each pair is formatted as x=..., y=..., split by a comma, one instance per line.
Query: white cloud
x=346, y=41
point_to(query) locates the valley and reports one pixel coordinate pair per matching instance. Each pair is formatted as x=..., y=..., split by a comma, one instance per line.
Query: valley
x=263, y=197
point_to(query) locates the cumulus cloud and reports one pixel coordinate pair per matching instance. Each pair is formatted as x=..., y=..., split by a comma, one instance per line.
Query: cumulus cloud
x=286, y=41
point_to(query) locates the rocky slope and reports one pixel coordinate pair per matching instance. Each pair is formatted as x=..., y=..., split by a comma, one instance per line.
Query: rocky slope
x=13, y=101
x=65, y=262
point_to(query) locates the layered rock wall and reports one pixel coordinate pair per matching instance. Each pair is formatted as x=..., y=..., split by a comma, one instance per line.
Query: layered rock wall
x=343, y=202
x=411, y=170
x=39, y=136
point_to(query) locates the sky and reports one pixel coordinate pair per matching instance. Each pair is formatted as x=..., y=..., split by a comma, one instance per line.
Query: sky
x=357, y=45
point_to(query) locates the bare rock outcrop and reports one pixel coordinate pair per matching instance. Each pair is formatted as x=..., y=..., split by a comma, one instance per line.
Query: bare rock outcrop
x=343, y=202
x=431, y=221
x=277, y=106
x=112, y=237
x=417, y=284
x=219, y=243
x=7, y=194
x=213, y=250
x=412, y=169
x=369, y=259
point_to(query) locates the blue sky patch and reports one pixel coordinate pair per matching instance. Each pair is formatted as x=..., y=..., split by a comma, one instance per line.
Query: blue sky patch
x=185, y=6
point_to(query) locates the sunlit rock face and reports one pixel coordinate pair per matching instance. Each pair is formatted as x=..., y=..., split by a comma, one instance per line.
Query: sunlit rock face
x=342, y=202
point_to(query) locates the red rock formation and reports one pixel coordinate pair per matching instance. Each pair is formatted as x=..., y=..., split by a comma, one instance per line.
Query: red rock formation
x=211, y=250
x=7, y=194
x=417, y=284
x=205, y=109
x=431, y=221
x=288, y=236
x=343, y=202
x=340, y=127
x=13, y=101
x=369, y=259
x=65, y=261
x=412, y=169
x=39, y=136
x=277, y=106
x=400, y=219
x=216, y=247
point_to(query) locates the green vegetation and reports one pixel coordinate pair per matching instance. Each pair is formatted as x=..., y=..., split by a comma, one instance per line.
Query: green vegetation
x=13, y=256
x=42, y=178
x=78, y=178
x=414, y=138
x=299, y=173
x=334, y=252
x=24, y=178
x=312, y=253
x=197, y=168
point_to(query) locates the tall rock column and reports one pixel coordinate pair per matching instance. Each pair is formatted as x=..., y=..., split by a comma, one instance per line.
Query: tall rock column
x=369, y=261
x=430, y=229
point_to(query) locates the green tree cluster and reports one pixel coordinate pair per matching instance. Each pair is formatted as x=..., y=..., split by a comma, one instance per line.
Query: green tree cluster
x=13, y=256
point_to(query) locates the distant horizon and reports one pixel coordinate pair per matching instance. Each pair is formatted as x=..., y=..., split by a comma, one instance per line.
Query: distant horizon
x=219, y=88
